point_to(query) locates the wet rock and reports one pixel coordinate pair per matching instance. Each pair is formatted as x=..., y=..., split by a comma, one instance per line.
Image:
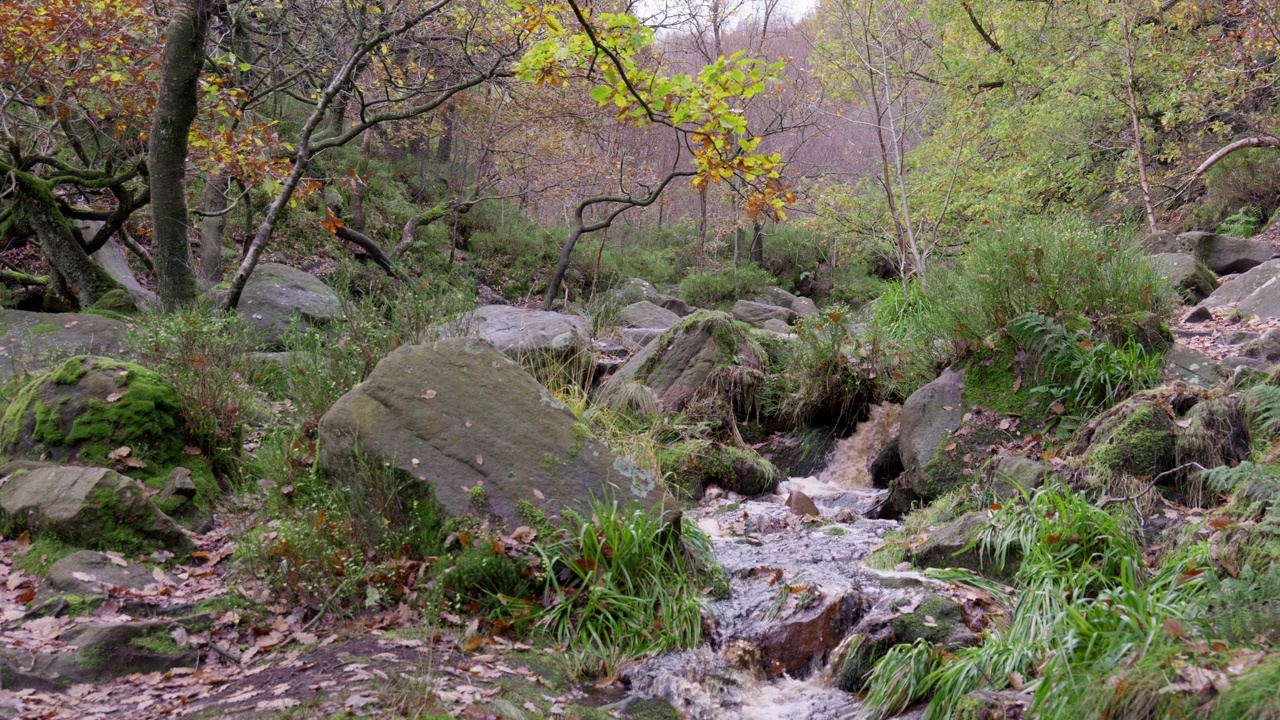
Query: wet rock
x=802, y=504
x=523, y=334
x=756, y=313
x=32, y=341
x=278, y=298
x=85, y=506
x=1192, y=366
x=928, y=416
x=457, y=415
x=887, y=465
x=898, y=620
x=802, y=642
x=1194, y=281
x=645, y=314
x=706, y=355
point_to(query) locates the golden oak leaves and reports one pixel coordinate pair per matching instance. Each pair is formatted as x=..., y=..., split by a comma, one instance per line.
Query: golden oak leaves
x=708, y=108
x=96, y=63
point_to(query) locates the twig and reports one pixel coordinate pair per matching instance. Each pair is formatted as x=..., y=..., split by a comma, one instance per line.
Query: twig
x=1110, y=500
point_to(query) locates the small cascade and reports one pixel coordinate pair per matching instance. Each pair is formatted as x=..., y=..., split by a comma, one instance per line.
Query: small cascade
x=797, y=589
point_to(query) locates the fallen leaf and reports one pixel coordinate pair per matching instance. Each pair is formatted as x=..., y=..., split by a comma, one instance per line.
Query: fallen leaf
x=479, y=459
x=120, y=453
x=429, y=394
x=115, y=396
x=538, y=494
x=116, y=558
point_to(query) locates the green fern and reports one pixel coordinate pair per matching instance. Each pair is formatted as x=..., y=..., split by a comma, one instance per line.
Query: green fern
x=1264, y=402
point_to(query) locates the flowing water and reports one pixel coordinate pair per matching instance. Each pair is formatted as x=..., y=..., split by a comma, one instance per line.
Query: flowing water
x=798, y=586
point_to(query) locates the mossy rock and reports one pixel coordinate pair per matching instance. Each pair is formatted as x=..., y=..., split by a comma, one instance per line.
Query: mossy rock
x=895, y=621
x=86, y=507
x=993, y=705
x=699, y=463
x=1138, y=436
x=87, y=407
x=955, y=545
x=706, y=359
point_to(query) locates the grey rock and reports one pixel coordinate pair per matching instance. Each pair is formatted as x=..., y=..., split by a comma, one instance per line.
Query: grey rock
x=1256, y=292
x=777, y=326
x=1269, y=345
x=31, y=341
x=1199, y=315
x=754, y=313
x=1163, y=241
x=680, y=363
x=519, y=333
x=641, y=337
x=802, y=504
x=927, y=416
x=952, y=545
x=85, y=506
x=1240, y=337
x=678, y=306
x=804, y=307
x=278, y=298
x=645, y=314
x=637, y=290
x=456, y=415
x=1185, y=272
x=86, y=572
x=1005, y=474
x=1232, y=363
x=899, y=618
x=777, y=296
x=1224, y=255
x=1192, y=366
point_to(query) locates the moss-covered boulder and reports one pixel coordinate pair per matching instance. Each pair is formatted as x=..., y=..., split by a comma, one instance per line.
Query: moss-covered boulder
x=1194, y=281
x=460, y=420
x=993, y=705
x=1137, y=437
x=87, y=507
x=97, y=411
x=896, y=620
x=698, y=463
x=82, y=581
x=706, y=358
x=1007, y=476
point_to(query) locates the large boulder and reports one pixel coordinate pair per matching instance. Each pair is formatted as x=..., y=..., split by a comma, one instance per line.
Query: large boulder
x=1256, y=292
x=1194, y=281
x=88, y=507
x=278, y=298
x=469, y=424
x=31, y=341
x=645, y=314
x=955, y=545
x=757, y=314
x=97, y=411
x=896, y=619
x=930, y=414
x=706, y=354
x=804, y=307
x=525, y=334
x=1226, y=255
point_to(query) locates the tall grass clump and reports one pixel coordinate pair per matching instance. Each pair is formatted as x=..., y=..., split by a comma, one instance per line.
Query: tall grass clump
x=1060, y=267
x=826, y=373
x=1087, y=608
x=203, y=354
x=721, y=288
x=621, y=583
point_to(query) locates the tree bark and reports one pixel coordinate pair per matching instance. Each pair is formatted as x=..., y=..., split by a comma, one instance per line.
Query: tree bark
x=36, y=209
x=167, y=155
x=212, y=227
x=757, y=243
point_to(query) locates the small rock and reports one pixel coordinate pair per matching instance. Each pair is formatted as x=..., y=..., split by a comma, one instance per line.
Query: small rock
x=755, y=313
x=645, y=314
x=804, y=307
x=802, y=504
x=179, y=484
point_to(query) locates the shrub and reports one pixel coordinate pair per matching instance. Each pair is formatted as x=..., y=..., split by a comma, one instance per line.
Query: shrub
x=825, y=374
x=1243, y=181
x=720, y=288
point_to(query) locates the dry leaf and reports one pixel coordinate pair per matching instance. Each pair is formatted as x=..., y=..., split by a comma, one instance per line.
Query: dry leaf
x=115, y=396
x=428, y=394
x=479, y=459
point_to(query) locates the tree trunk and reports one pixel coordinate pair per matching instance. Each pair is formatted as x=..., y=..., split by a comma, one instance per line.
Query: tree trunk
x=212, y=227
x=757, y=243
x=36, y=209
x=553, y=286
x=167, y=156
x=1136, y=120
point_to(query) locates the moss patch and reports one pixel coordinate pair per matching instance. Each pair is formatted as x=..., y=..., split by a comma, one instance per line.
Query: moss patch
x=1139, y=442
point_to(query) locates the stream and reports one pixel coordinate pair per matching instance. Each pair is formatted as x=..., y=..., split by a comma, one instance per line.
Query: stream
x=797, y=589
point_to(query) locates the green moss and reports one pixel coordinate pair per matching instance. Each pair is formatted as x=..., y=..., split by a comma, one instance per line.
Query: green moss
x=478, y=499
x=159, y=643
x=911, y=626
x=1137, y=442
x=42, y=329
x=45, y=550
x=69, y=372
x=115, y=302
x=697, y=463
x=478, y=574
x=968, y=708
x=92, y=658
x=534, y=518
x=112, y=526
x=1252, y=697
